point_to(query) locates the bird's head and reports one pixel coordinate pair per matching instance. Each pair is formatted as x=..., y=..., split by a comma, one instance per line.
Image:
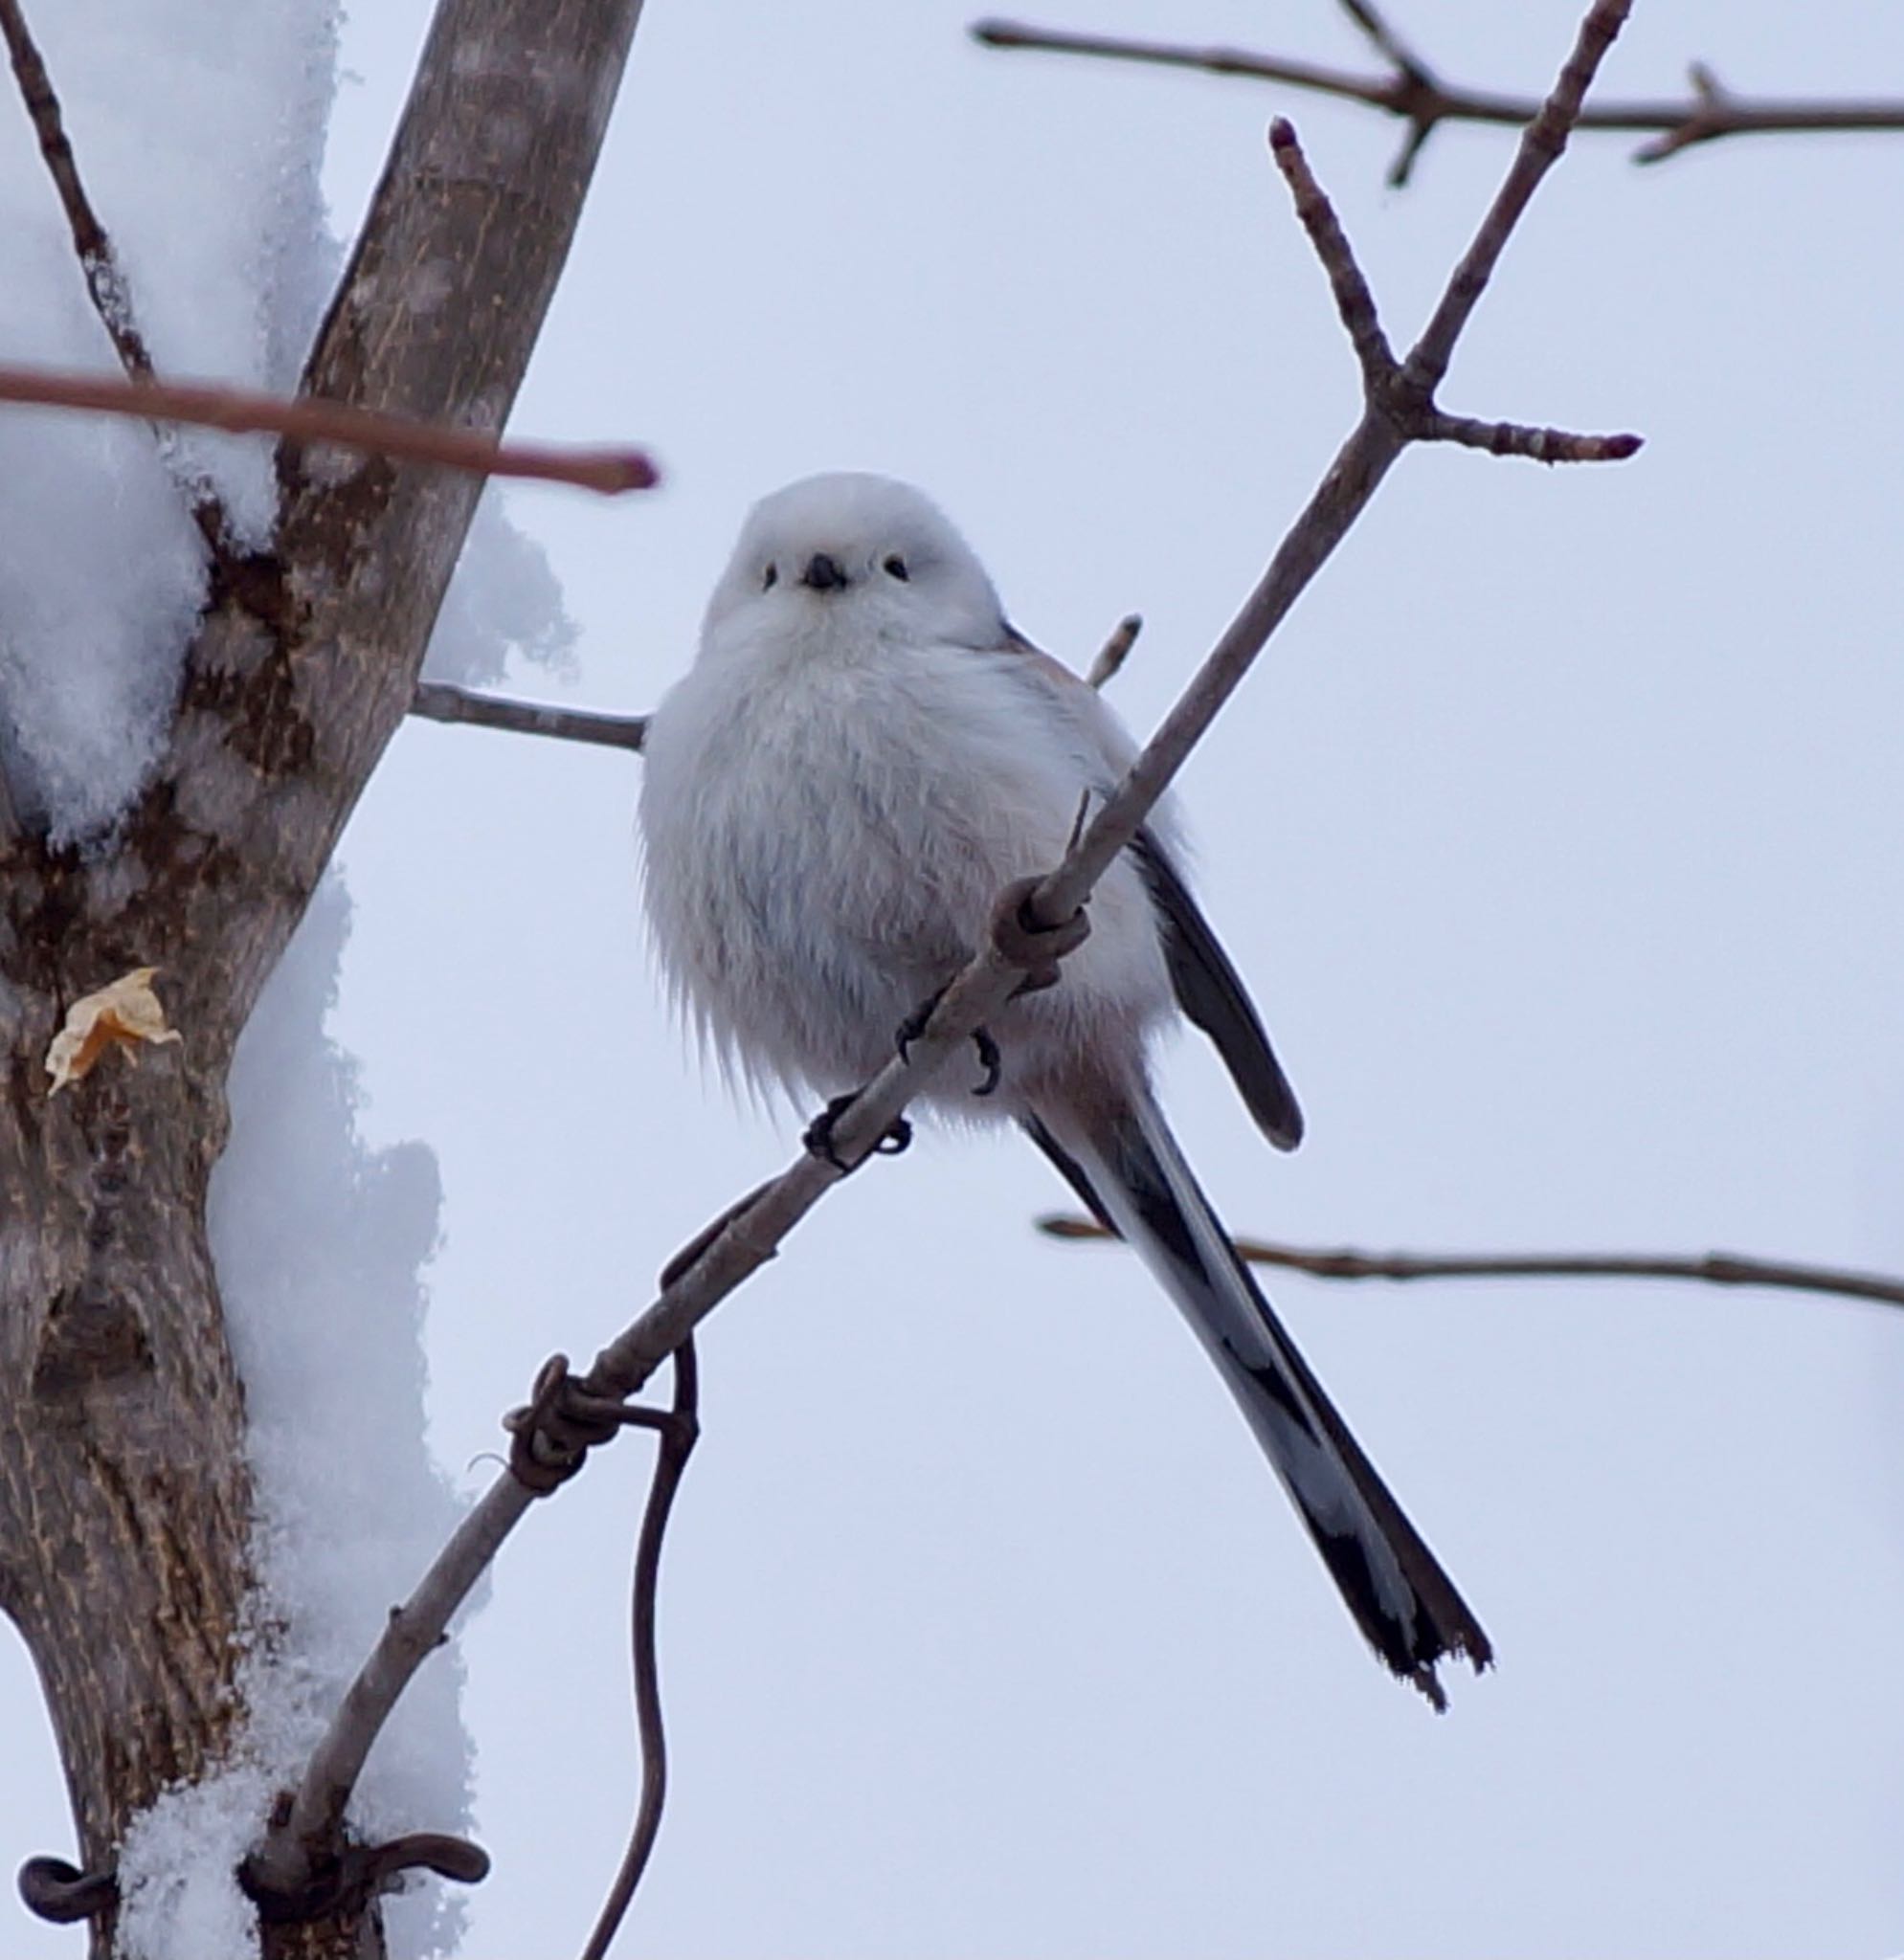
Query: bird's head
x=856, y=551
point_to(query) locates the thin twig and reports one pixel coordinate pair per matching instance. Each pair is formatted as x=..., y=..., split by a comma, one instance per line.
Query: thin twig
x=751, y=1234
x=1714, y=1269
x=437, y=700
x=1117, y=650
x=441, y=701
x=104, y=280
x=244, y=413
x=1347, y=285
x=1416, y=98
x=676, y=1444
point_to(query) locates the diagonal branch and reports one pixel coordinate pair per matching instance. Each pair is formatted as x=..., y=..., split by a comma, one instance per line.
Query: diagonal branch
x=750, y=1232
x=105, y=282
x=1712, y=1269
x=1412, y=93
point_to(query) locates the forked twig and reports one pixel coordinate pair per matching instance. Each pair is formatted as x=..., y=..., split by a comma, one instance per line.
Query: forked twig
x=242, y=411
x=1713, y=1268
x=1413, y=93
x=750, y=1232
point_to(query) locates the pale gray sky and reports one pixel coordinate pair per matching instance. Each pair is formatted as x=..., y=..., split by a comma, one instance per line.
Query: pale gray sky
x=1557, y=835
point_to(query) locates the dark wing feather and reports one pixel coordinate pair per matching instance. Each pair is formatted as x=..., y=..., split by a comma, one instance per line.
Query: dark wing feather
x=1209, y=991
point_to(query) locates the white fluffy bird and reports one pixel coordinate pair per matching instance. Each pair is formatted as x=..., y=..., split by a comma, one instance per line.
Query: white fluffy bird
x=864, y=754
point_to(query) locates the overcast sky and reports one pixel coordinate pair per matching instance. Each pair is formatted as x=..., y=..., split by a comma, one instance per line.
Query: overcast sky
x=1557, y=835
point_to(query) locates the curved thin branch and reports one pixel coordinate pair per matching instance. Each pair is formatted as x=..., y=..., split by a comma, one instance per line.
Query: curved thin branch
x=1412, y=93
x=677, y=1444
x=750, y=1232
x=1713, y=1268
x=242, y=411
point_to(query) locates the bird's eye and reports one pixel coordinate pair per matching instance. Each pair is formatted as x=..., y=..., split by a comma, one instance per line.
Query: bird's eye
x=896, y=566
x=771, y=578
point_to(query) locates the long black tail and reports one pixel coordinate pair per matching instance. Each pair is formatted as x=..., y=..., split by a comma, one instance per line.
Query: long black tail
x=1131, y=1174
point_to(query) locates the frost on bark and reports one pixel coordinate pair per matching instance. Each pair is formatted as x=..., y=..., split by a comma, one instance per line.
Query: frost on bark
x=124, y=1493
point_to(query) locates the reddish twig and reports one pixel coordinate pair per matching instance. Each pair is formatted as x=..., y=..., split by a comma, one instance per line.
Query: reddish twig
x=243, y=412
x=1714, y=1269
x=1414, y=94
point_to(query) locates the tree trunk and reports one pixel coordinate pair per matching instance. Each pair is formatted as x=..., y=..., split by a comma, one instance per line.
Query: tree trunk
x=124, y=1490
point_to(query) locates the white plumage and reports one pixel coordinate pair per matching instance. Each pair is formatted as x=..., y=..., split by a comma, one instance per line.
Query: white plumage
x=862, y=756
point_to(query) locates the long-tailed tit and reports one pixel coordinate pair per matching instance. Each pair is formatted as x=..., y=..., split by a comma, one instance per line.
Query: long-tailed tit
x=864, y=754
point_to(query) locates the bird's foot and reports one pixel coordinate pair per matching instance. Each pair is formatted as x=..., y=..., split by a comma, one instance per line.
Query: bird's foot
x=818, y=1135
x=1027, y=944
x=913, y=1026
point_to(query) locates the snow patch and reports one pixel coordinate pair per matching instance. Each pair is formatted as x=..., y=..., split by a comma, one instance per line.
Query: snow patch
x=222, y=245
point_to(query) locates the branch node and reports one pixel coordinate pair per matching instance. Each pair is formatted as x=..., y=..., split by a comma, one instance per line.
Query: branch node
x=1023, y=939
x=344, y=1884
x=551, y=1435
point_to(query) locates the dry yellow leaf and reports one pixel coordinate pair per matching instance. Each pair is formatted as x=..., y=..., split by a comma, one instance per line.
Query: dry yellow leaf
x=121, y=1015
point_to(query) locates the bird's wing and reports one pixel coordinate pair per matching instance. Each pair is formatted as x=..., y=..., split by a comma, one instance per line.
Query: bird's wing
x=1210, y=992
x=1208, y=989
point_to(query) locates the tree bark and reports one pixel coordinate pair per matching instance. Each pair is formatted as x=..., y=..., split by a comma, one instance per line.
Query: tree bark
x=125, y=1496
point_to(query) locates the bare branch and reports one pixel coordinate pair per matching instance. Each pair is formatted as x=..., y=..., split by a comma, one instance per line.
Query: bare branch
x=1403, y=392
x=437, y=700
x=1354, y=303
x=749, y=1232
x=1714, y=1269
x=1386, y=42
x=241, y=411
x=1117, y=650
x=104, y=281
x=440, y=701
x=1411, y=92
x=1537, y=445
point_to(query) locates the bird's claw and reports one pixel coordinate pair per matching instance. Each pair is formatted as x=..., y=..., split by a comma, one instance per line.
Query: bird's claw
x=818, y=1135
x=990, y=1060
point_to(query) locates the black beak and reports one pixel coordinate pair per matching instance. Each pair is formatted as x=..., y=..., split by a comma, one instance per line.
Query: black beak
x=823, y=575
